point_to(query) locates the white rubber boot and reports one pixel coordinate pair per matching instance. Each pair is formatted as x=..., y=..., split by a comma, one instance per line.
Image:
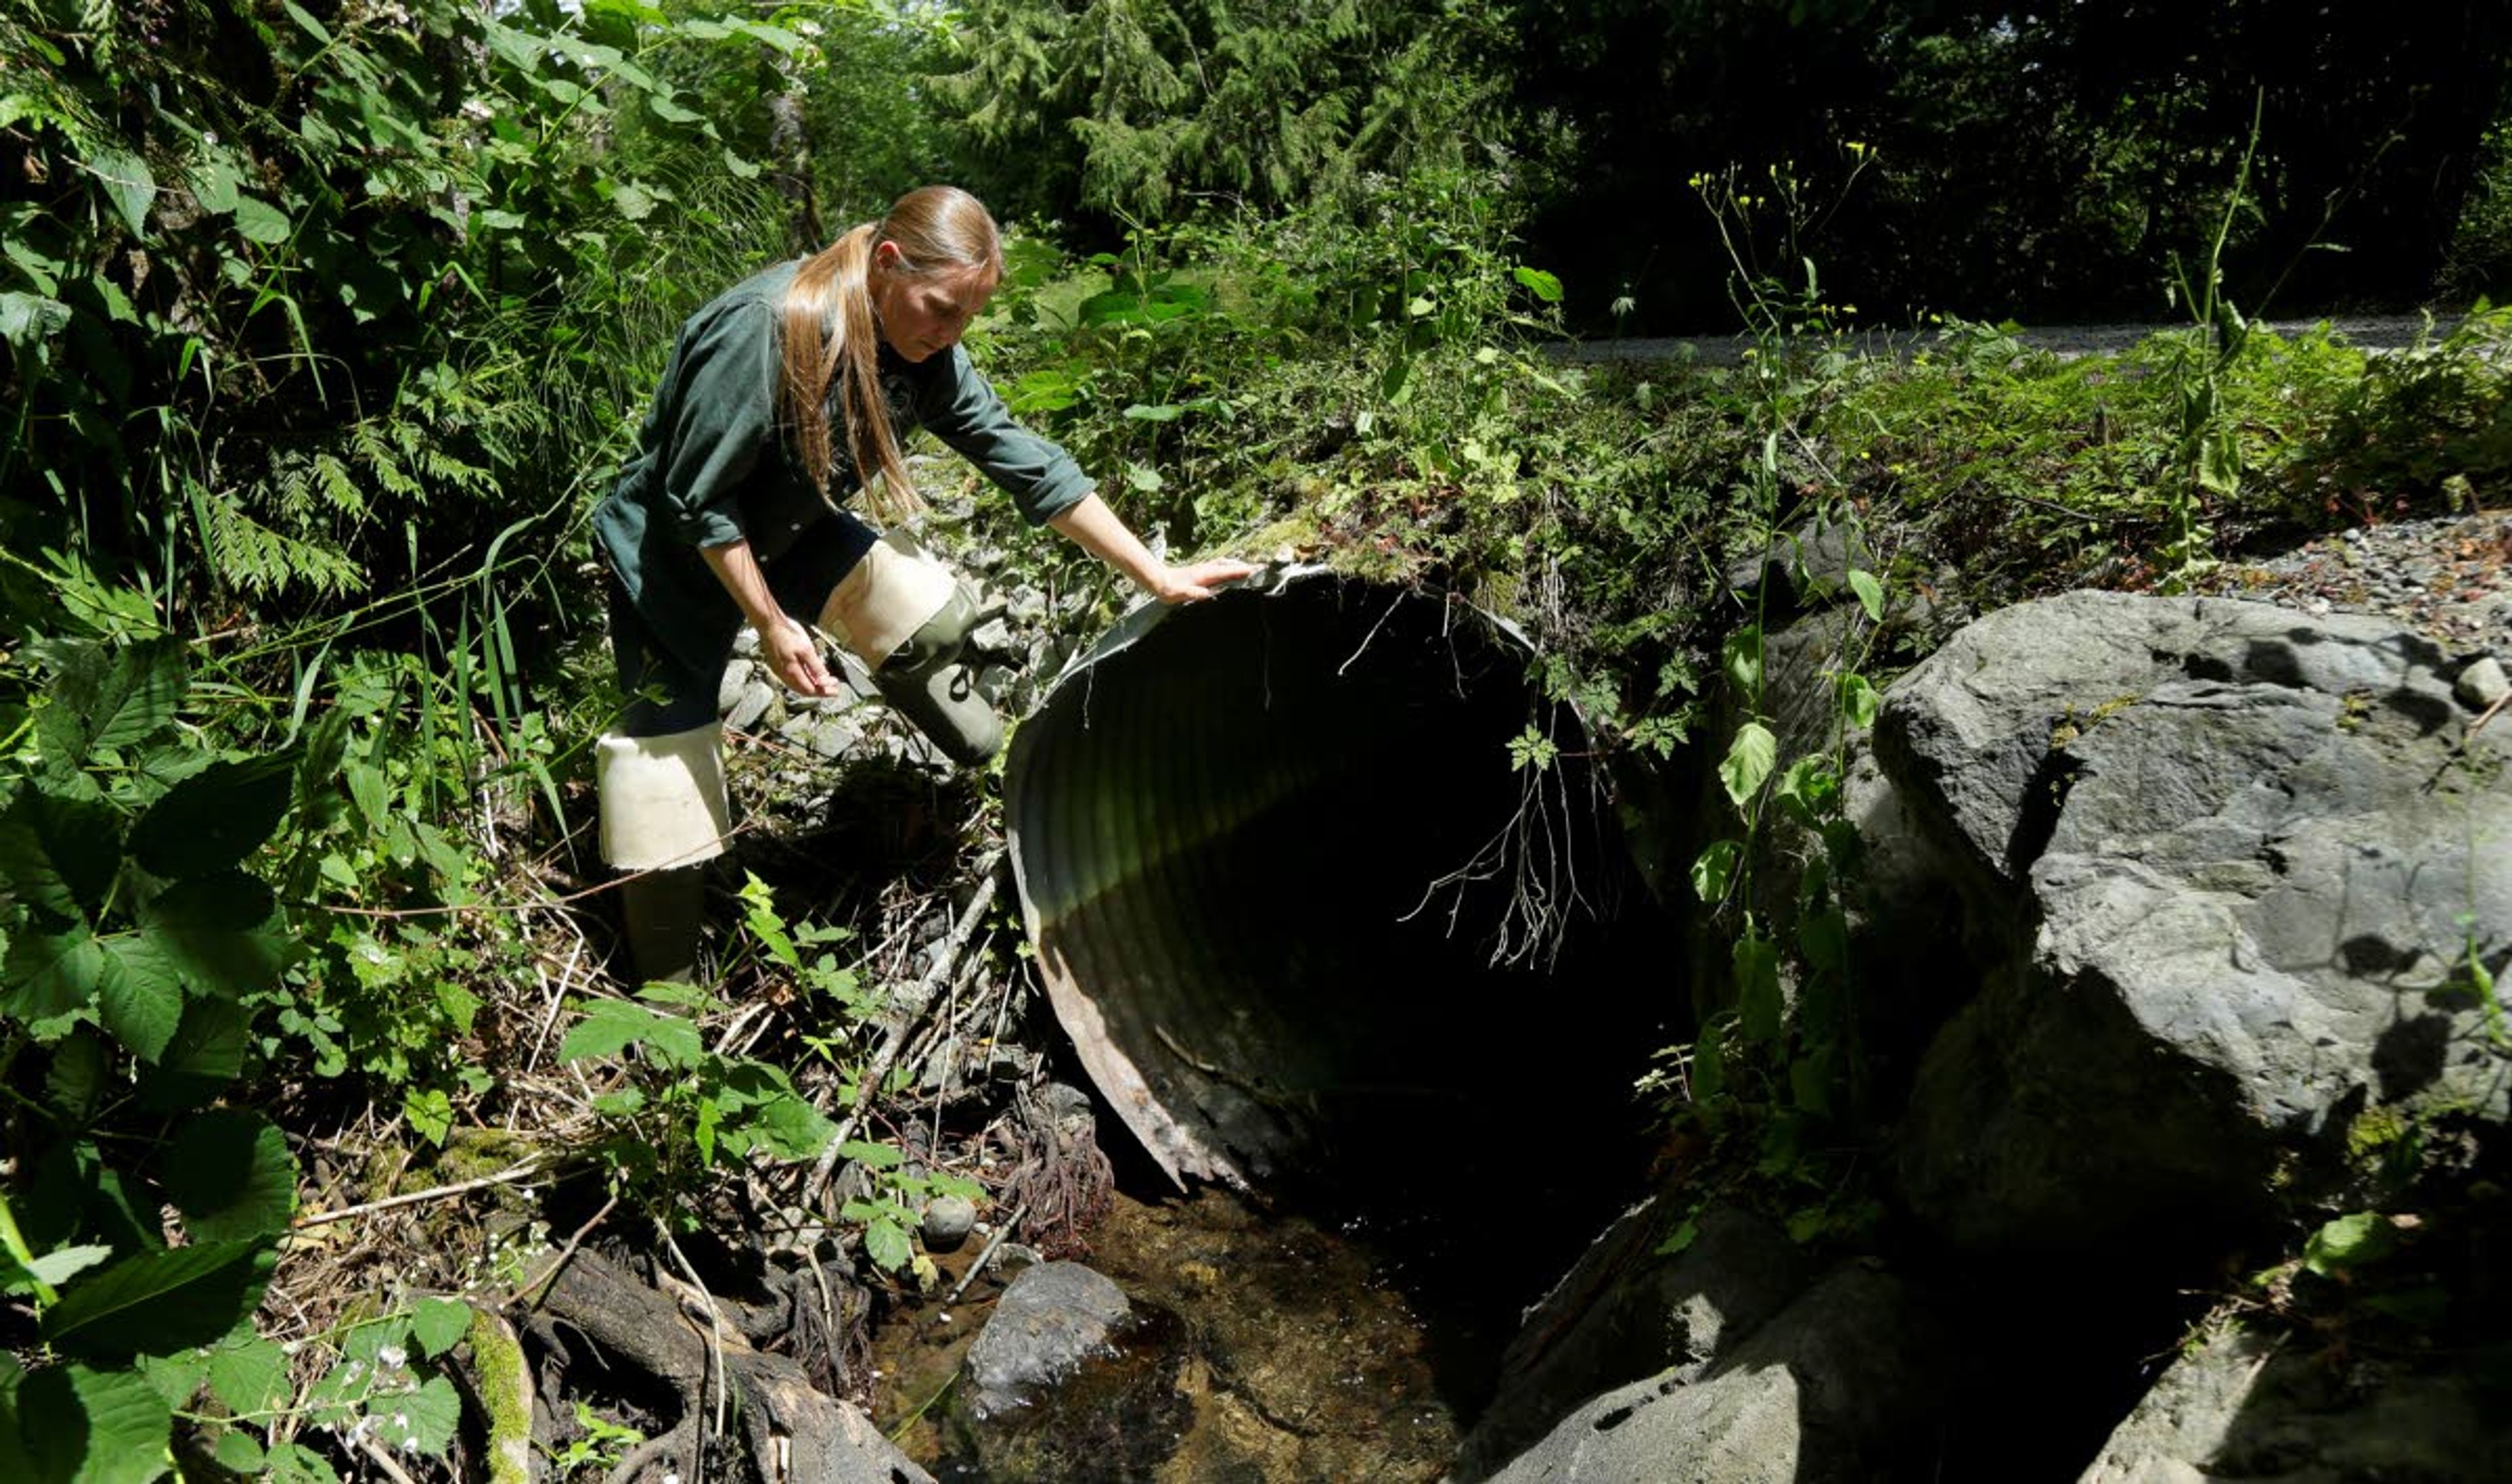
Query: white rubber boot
x=664, y=814
x=910, y=619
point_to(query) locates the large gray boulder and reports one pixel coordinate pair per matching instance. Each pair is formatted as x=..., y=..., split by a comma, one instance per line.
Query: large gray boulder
x=2227, y=865
x=1843, y=1384
x=2242, y=1407
x=1627, y=1312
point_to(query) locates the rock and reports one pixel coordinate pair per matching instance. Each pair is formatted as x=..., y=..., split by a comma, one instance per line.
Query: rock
x=1811, y=562
x=2482, y=685
x=948, y=1220
x=2223, y=859
x=754, y=700
x=1070, y=1380
x=1624, y=1314
x=1054, y=1317
x=2241, y=1408
x=829, y=734
x=1839, y=1385
x=737, y=675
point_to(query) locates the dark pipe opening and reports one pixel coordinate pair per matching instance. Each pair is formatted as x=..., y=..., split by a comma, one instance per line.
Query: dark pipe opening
x=1311, y=931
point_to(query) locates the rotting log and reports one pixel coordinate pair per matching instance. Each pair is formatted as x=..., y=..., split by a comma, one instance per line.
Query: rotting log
x=783, y=1427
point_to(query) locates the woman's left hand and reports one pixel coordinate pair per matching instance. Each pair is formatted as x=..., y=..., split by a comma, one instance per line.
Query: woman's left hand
x=1198, y=580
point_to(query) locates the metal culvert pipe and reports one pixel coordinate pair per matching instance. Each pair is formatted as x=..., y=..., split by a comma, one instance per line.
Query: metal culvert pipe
x=1282, y=881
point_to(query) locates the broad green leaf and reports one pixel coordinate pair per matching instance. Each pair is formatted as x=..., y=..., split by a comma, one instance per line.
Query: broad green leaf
x=430, y=1114
x=50, y=977
x=742, y=169
x=60, y=854
x=1870, y=592
x=1758, y=1003
x=222, y=932
x=2220, y=462
x=1742, y=655
x=296, y=1464
x=1823, y=937
x=669, y=111
x=1808, y=787
x=879, y=1156
x=1166, y=412
x=94, y=1426
x=157, y=1303
x=214, y=819
x=1859, y=701
x=175, y=1377
x=439, y=1325
x=240, y=1451
x=139, y=997
x=119, y=698
x=609, y=1026
x=791, y=1127
x=216, y=182
x=1711, y=871
x=1709, y=1063
x=1542, y=285
x=230, y=1174
x=206, y=1055
x=886, y=1243
x=59, y=1266
x=312, y=28
x=29, y=319
x=75, y=1082
x=250, y=1377
x=258, y=220
x=634, y=201
x=1681, y=1237
x=420, y=1422
x=1749, y=760
x=2349, y=1242
x=127, y=183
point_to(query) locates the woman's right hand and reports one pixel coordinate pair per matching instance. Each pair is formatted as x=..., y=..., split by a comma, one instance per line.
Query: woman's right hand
x=793, y=656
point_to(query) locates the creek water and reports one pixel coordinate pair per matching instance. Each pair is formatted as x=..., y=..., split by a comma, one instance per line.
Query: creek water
x=1346, y=1339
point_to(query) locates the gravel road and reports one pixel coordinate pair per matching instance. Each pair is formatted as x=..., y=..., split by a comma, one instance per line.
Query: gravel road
x=2394, y=332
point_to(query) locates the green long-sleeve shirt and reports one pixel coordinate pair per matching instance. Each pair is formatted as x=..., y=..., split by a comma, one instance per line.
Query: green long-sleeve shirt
x=713, y=466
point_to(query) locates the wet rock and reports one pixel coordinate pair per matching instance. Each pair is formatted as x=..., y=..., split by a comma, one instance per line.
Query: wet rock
x=1069, y=1380
x=948, y=1220
x=1053, y=1316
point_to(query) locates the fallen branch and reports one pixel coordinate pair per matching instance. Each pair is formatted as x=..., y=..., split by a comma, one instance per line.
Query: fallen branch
x=515, y=1175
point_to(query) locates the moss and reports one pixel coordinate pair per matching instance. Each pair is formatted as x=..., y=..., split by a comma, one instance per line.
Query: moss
x=506, y=1394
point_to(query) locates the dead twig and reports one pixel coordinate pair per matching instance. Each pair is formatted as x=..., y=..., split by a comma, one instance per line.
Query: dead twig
x=1001, y=1233
x=715, y=1327
x=512, y=1176
x=930, y=987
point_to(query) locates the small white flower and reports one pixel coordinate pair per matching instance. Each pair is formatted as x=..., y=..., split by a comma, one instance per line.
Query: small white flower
x=391, y=1357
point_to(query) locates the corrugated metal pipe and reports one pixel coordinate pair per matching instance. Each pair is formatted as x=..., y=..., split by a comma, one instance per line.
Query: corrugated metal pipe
x=1283, y=881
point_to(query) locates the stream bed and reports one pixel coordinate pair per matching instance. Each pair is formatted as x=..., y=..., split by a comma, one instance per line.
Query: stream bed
x=1265, y=1345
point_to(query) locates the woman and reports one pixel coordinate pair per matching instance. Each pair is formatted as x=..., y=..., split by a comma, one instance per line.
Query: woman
x=783, y=398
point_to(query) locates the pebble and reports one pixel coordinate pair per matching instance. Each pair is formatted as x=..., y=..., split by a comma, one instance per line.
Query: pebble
x=2482, y=685
x=948, y=1223
x=2450, y=578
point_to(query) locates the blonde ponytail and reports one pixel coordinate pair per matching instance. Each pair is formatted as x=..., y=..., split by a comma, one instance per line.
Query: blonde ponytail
x=828, y=336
